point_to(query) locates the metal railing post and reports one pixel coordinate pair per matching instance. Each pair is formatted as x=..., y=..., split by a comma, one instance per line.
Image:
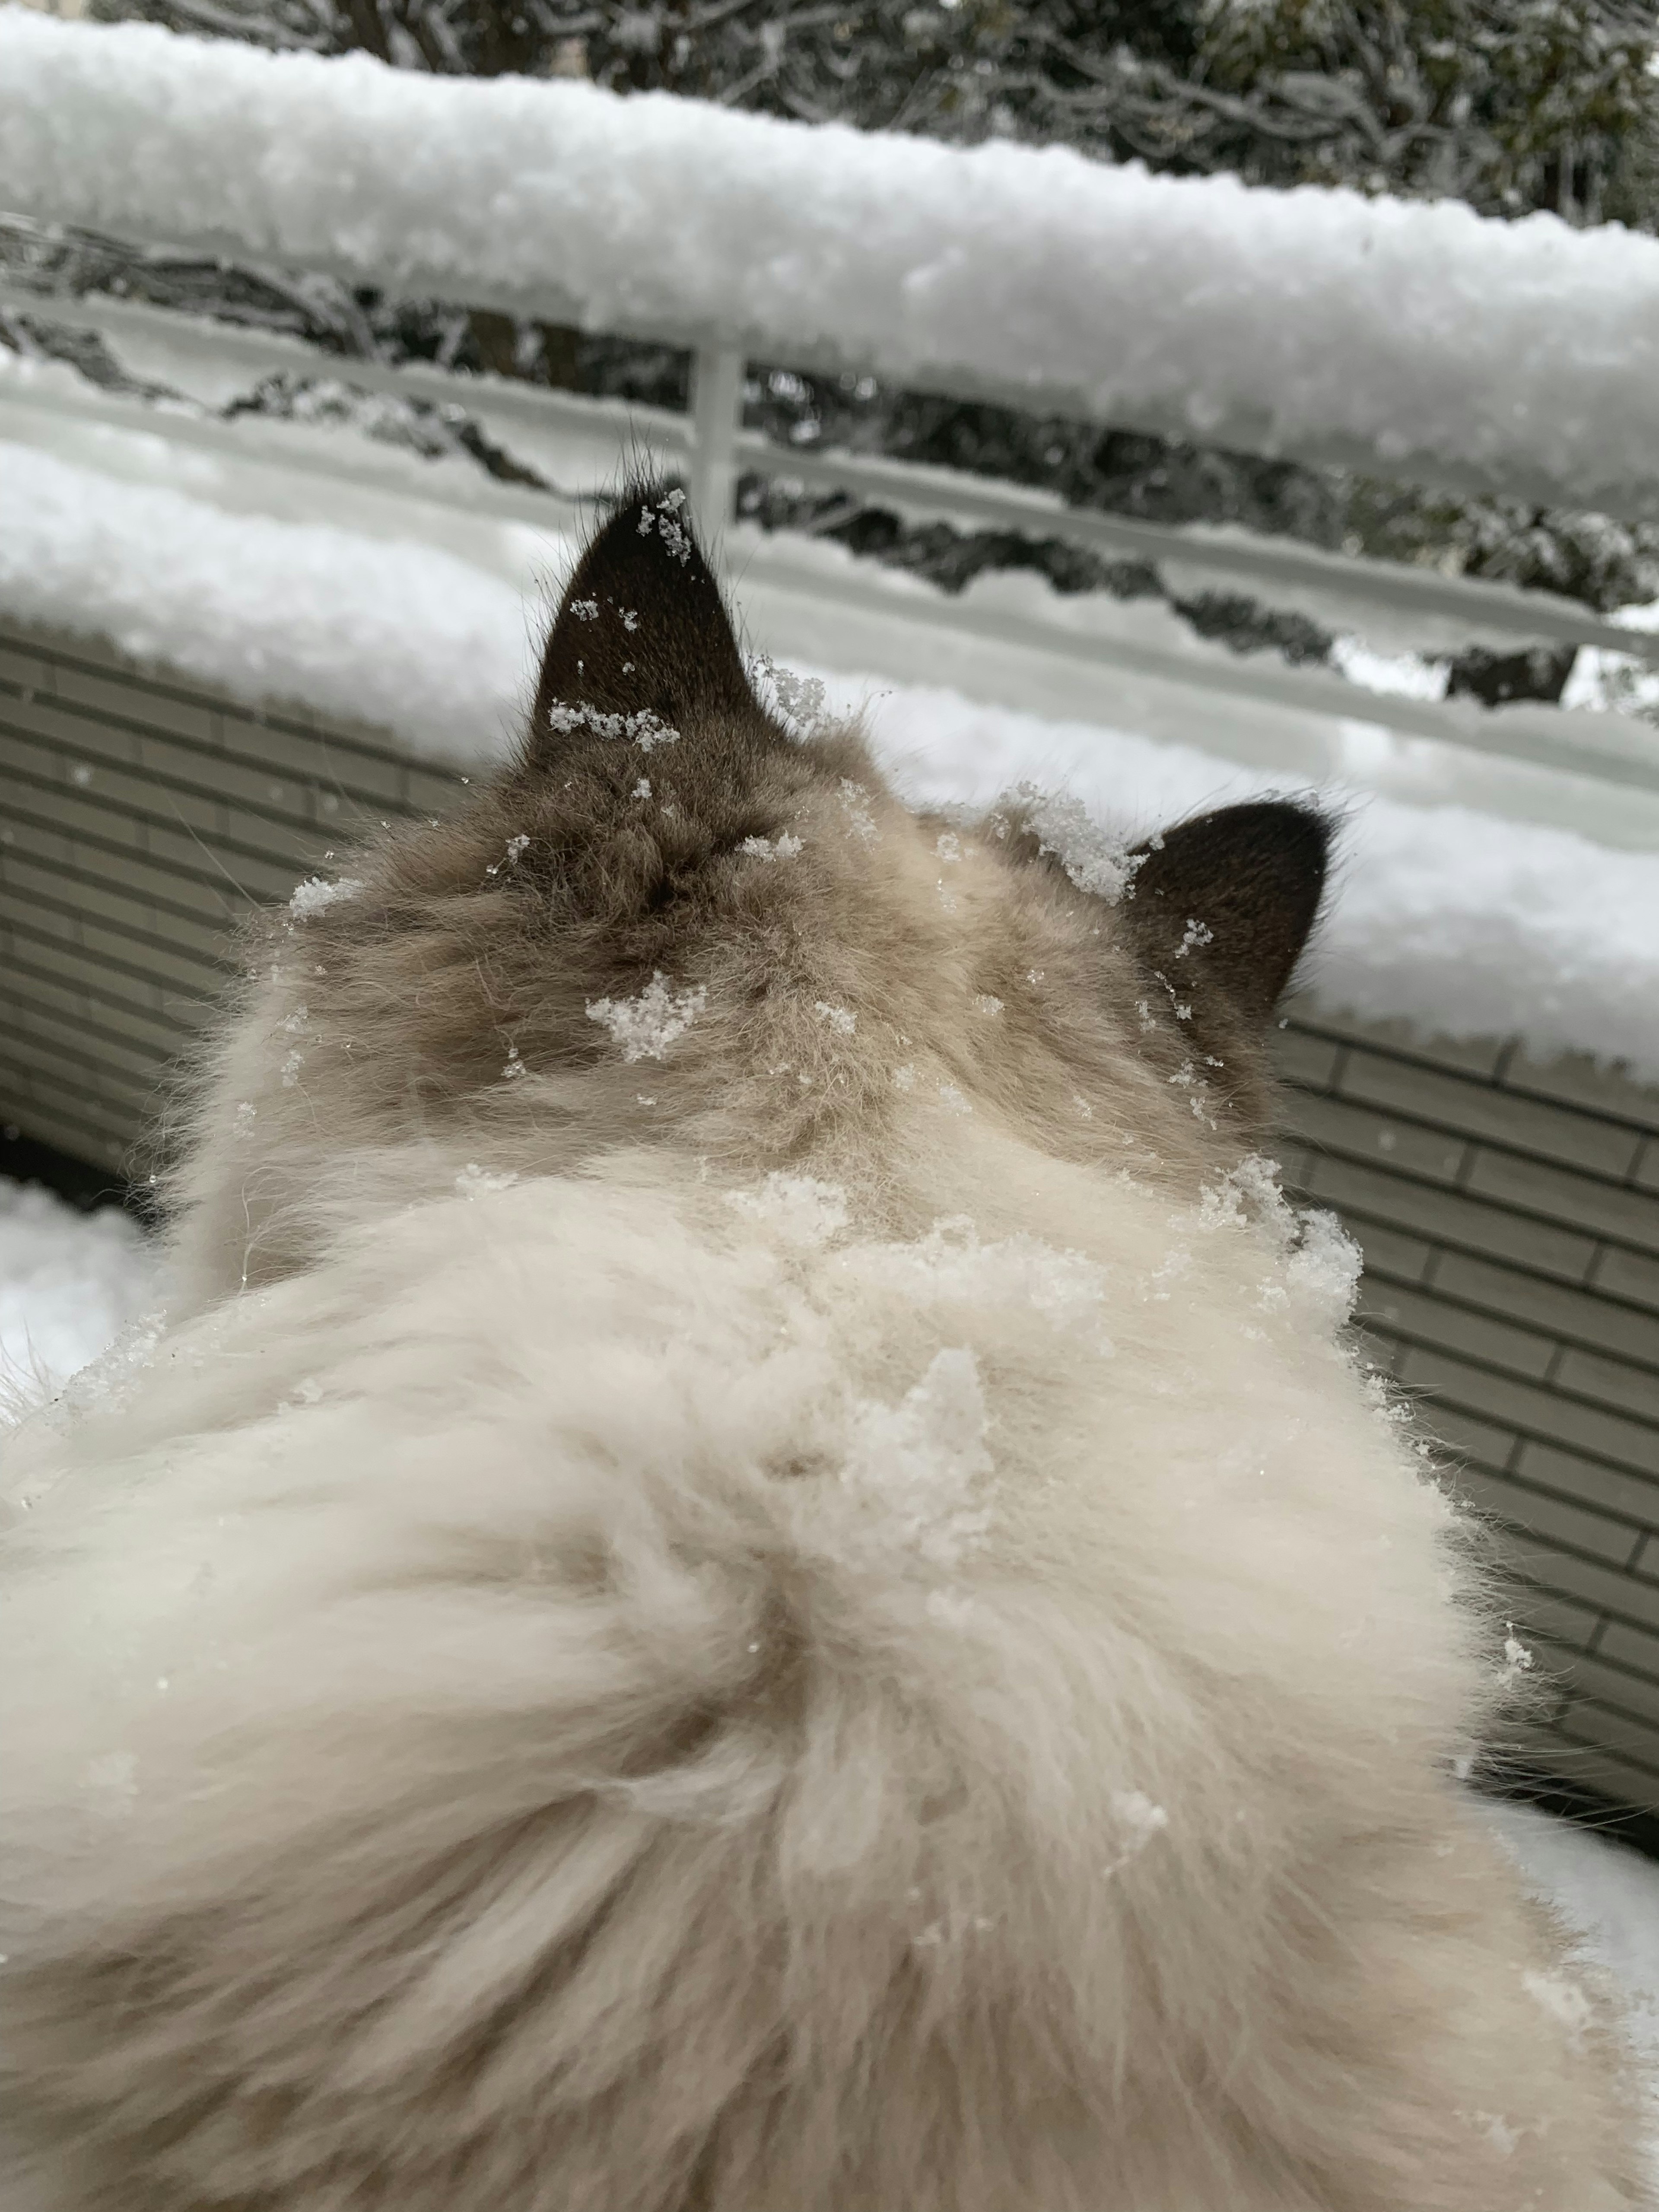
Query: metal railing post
x=716, y=405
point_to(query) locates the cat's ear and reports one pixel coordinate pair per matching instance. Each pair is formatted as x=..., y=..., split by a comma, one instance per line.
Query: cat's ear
x=1222, y=906
x=642, y=629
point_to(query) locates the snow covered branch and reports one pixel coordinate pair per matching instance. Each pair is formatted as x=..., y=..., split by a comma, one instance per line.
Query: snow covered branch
x=1409, y=339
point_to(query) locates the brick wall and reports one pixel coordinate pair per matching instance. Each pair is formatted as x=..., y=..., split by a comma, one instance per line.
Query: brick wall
x=137, y=817
x=1509, y=1211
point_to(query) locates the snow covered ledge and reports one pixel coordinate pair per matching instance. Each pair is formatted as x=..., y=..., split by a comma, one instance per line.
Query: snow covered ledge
x=1461, y=924
x=1417, y=340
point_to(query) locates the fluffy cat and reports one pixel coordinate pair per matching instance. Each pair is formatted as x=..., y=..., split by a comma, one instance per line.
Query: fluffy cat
x=750, y=1572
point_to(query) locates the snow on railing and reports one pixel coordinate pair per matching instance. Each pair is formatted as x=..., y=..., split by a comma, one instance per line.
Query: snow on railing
x=1417, y=341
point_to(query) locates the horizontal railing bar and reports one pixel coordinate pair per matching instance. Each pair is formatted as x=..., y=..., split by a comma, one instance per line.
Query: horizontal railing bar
x=1321, y=327
x=538, y=407
x=917, y=489
x=1503, y=734
x=1497, y=732
x=548, y=301
x=254, y=438
x=922, y=491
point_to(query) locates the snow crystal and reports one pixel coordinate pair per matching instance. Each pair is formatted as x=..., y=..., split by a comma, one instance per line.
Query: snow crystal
x=842, y=1019
x=797, y=701
x=315, y=895
x=1319, y=1263
x=904, y=1078
x=664, y=519
x=801, y=1210
x=855, y=806
x=951, y=1263
x=292, y=1063
x=987, y=1003
x=647, y=1026
x=1390, y=334
x=1565, y=2001
x=1497, y=2131
x=1141, y=1818
x=644, y=729
x=952, y=1099
x=1097, y=862
x=914, y=1467
x=783, y=847
x=476, y=1182
x=1325, y=1267
x=1601, y=1888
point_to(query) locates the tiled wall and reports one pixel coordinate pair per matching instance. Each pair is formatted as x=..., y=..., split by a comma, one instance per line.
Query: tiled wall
x=138, y=817
x=1509, y=1211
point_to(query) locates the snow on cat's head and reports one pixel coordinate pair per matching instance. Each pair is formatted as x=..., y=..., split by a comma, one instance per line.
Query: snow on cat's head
x=692, y=915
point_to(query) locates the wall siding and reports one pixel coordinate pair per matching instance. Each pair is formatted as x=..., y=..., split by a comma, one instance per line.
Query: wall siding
x=1507, y=1210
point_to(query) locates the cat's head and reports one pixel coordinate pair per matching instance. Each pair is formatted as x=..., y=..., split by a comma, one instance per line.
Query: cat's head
x=678, y=919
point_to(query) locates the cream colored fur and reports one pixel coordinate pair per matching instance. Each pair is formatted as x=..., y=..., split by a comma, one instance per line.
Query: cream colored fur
x=625, y=1673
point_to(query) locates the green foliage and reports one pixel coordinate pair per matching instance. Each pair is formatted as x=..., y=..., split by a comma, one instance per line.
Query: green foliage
x=1510, y=105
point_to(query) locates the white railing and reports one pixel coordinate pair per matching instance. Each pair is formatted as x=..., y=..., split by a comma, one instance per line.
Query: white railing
x=1605, y=766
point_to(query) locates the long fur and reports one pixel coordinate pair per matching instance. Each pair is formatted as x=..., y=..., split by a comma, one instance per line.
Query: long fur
x=821, y=1623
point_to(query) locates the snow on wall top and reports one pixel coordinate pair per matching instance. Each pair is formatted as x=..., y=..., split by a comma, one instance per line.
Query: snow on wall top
x=1465, y=924
x=1421, y=340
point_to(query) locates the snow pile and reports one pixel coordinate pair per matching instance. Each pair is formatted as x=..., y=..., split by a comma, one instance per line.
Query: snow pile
x=1467, y=925
x=647, y=1026
x=916, y=1469
x=365, y=628
x=1606, y=1892
x=797, y=1209
x=315, y=895
x=1413, y=337
x=70, y=1282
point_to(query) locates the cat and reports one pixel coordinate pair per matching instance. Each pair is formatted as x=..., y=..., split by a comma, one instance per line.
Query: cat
x=751, y=1572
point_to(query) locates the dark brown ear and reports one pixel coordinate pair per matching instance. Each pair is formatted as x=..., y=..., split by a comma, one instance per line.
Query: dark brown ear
x=641, y=627
x=1222, y=906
